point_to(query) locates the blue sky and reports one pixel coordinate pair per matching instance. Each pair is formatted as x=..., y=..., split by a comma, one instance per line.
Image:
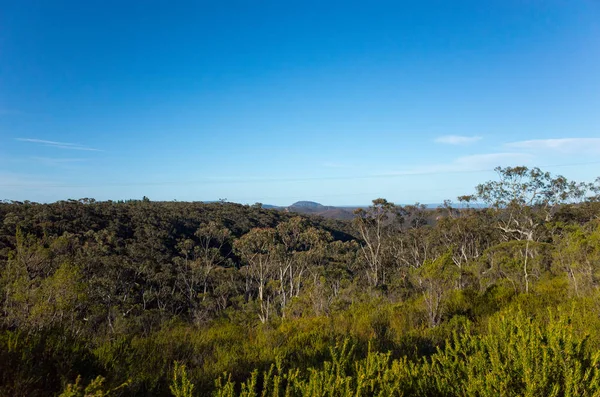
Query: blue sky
x=339, y=102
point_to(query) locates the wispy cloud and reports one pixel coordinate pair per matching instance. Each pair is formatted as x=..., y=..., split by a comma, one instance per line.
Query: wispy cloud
x=457, y=139
x=70, y=147
x=45, y=142
x=471, y=163
x=59, y=145
x=562, y=145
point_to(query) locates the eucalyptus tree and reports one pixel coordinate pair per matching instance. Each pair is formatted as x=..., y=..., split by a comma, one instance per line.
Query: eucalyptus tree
x=577, y=254
x=467, y=232
x=204, y=252
x=437, y=278
x=41, y=288
x=331, y=273
x=373, y=225
x=523, y=200
x=595, y=190
x=256, y=248
x=413, y=241
x=210, y=251
x=298, y=246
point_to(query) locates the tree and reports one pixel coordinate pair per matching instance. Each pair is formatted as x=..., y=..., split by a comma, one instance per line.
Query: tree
x=298, y=246
x=256, y=248
x=467, y=233
x=203, y=256
x=523, y=200
x=437, y=278
x=577, y=254
x=504, y=261
x=373, y=227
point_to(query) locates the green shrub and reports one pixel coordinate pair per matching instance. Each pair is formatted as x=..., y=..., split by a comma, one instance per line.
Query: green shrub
x=517, y=356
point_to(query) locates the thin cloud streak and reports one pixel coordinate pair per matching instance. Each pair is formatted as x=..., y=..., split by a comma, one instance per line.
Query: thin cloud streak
x=563, y=145
x=457, y=139
x=447, y=169
x=465, y=164
x=472, y=163
x=59, y=145
x=87, y=149
x=32, y=140
x=57, y=161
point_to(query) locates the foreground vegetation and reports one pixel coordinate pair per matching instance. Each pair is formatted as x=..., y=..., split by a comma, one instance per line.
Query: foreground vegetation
x=164, y=298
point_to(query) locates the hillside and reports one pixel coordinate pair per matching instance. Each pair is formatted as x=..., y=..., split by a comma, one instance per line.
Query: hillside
x=316, y=209
x=343, y=213
x=156, y=296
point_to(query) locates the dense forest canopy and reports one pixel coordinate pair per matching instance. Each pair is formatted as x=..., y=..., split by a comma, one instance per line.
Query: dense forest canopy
x=179, y=298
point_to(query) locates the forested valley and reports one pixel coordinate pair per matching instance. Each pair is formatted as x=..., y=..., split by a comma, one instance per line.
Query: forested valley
x=496, y=294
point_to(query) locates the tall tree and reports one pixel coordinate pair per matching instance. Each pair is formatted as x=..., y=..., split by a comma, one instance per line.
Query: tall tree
x=298, y=246
x=257, y=250
x=523, y=200
x=373, y=227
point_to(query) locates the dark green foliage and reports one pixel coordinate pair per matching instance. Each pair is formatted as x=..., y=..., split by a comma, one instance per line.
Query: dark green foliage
x=31, y=364
x=144, y=298
x=517, y=356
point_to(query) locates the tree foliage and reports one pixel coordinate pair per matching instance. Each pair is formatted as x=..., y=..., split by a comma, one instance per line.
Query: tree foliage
x=166, y=298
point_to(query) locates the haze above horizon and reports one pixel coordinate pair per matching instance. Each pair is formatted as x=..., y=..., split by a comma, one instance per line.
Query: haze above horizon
x=275, y=102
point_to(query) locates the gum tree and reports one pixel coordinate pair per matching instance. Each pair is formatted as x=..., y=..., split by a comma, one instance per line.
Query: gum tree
x=523, y=200
x=373, y=227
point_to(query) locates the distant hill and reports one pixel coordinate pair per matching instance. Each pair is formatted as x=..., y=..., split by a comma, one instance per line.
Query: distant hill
x=344, y=213
x=307, y=204
x=330, y=212
x=318, y=209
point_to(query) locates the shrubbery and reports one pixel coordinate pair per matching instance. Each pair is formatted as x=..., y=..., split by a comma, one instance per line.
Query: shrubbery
x=149, y=298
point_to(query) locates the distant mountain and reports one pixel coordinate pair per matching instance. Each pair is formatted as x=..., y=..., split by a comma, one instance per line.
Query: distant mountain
x=328, y=211
x=305, y=207
x=307, y=204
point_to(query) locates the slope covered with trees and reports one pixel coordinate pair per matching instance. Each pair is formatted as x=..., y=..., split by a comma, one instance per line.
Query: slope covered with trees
x=168, y=298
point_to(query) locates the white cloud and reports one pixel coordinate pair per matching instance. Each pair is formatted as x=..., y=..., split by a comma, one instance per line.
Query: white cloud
x=472, y=163
x=562, y=145
x=46, y=142
x=457, y=139
x=59, y=145
x=88, y=149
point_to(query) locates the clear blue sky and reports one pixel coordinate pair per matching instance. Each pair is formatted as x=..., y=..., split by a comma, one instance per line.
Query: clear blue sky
x=339, y=102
